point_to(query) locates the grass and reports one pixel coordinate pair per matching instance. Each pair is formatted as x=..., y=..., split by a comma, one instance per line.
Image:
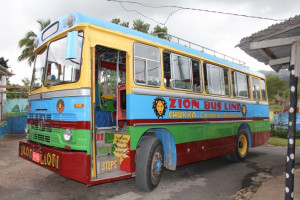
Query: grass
x=281, y=141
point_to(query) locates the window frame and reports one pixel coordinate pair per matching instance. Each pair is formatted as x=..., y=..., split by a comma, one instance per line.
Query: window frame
x=200, y=75
x=172, y=80
x=205, y=76
x=146, y=62
x=252, y=91
x=265, y=85
x=81, y=34
x=235, y=83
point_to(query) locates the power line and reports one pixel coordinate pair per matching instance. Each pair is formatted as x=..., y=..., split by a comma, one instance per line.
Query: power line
x=184, y=8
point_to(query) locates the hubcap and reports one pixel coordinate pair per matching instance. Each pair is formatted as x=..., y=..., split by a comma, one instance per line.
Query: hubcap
x=156, y=166
x=243, y=144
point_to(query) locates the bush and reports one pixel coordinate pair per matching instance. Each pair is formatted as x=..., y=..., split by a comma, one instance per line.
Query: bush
x=283, y=133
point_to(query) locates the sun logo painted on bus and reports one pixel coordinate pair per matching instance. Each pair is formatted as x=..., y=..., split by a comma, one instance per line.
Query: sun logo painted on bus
x=244, y=110
x=159, y=107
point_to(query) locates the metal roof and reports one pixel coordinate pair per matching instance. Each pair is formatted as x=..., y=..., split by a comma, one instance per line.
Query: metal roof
x=275, y=56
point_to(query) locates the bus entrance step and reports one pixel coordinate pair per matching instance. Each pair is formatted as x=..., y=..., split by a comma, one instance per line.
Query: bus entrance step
x=107, y=164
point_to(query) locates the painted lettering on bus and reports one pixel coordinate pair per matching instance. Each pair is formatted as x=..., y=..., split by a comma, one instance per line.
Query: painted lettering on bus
x=213, y=105
x=182, y=115
x=184, y=103
x=46, y=159
x=109, y=165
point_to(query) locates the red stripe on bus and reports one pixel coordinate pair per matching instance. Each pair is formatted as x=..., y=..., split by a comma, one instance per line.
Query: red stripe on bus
x=260, y=138
x=62, y=124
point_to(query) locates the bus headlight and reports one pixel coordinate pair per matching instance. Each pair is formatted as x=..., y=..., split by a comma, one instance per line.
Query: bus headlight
x=26, y=128
x=67, y=135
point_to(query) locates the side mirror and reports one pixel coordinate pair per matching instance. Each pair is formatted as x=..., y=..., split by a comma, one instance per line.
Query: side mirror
x=71, y=49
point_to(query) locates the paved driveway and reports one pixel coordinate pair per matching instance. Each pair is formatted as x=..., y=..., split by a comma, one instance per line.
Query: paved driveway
x=212, y=179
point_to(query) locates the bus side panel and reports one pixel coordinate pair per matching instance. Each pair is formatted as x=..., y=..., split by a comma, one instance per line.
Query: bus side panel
x=261, y=130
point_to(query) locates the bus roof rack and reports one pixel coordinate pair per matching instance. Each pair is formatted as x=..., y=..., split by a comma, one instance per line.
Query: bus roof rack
x=201, y=48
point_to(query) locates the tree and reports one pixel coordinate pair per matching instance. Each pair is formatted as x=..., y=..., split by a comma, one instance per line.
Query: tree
x=276, y=87
x=118, y=21
x=158, y=29
x=141, y=26
x=27, y=43
x=26, y=81
x=3, y=62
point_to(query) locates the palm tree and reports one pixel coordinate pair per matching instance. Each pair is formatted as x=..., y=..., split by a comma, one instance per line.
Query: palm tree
x=27, y=43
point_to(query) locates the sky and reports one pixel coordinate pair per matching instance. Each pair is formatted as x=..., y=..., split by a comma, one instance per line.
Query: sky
x=215, y=31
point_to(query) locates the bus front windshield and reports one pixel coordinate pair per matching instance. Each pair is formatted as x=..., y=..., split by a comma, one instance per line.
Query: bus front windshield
x=37, y=76
x=58, y=69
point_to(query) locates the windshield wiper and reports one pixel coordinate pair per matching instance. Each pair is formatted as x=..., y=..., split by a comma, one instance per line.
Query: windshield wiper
x=74, y=62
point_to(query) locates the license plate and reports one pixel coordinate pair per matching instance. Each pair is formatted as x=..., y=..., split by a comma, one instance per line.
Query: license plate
x=36, y=157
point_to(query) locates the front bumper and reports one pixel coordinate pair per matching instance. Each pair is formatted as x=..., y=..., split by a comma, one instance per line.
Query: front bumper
x=71, y=164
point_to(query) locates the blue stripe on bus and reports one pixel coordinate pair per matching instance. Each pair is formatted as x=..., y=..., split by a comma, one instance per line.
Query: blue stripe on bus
x=80, y=18
x=144, y=107
x=70, y=113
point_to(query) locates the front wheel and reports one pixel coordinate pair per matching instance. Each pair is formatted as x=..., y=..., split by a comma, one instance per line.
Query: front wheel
x=149, y=163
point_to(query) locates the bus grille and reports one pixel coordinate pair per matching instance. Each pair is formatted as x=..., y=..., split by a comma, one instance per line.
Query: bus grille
x=42, y=138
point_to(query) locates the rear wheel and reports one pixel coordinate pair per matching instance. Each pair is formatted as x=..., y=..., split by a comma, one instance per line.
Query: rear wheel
x=242, y=147
x=149, y=163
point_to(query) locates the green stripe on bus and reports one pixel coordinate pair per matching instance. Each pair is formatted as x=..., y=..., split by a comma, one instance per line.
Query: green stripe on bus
x=195, y=132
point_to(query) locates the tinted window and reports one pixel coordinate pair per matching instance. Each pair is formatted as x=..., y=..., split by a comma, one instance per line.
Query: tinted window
x=197, y=85
x=167, y=69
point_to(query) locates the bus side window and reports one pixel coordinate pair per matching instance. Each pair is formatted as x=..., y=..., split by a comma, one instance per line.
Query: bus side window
x=240, y=84
x=181, y=72
x=255, y=89
x=216, y=79
x=197, y=83
x=263, y=90
x=147, y=69
x=167, y=69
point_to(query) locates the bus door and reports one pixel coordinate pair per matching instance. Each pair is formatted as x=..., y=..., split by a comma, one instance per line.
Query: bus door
x=111, y=140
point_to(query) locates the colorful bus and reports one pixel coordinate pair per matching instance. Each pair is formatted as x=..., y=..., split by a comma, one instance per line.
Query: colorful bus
x=108, y=103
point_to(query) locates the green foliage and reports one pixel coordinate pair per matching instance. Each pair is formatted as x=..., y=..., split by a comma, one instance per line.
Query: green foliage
x=118, y=21
x=276, y=107
x=27, y=43
x=276, y=88
x=26, y=81
x=281, y=142
x=3, y=62
x=282, y=133
x=140, y=25
x=158, y=29
x=18, y=93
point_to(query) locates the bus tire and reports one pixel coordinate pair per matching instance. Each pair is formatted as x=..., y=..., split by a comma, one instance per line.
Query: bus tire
x=149, y=164
x=242, y=147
